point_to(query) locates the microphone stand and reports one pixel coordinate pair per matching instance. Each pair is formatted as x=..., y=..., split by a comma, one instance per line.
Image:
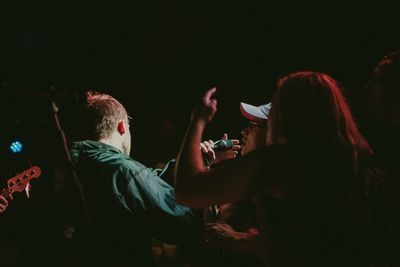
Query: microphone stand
x=78, y=184
x=70, y=231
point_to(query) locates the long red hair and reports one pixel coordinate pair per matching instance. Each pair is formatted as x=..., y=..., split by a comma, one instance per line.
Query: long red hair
x=310, y=106
x=310, y=111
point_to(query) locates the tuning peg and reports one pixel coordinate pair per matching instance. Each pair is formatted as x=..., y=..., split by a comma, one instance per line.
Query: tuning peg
x=27, y=189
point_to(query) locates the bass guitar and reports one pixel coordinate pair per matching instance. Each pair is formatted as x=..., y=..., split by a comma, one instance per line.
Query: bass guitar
x=20, y=182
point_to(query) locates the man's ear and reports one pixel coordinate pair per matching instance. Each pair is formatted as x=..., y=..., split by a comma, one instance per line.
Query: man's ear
x=121, y=127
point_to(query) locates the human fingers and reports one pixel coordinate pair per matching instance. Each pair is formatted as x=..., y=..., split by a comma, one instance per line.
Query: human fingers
x=208, y=145
x=203, y=148
x=230, y=154
x=210, y=149
x=236, y=147
x=207, y=108
x=235, y=141
x=209, y=102
x=209, y=93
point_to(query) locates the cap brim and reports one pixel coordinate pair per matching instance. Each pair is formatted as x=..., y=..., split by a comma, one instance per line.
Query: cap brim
x=252, y=112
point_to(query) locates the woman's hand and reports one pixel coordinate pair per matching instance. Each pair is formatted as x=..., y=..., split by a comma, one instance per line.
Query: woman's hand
x=206, y=109
x=214, y=157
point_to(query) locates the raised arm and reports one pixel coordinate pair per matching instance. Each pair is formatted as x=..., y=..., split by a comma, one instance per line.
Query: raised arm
x=196, y=186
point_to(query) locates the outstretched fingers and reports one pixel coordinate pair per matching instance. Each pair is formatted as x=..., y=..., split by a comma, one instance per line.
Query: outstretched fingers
x=207, y=108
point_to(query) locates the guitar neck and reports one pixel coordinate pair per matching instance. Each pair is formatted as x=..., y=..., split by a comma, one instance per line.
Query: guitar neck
x=20, y=182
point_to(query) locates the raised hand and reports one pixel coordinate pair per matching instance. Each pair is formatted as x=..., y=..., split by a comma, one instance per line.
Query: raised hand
x=207, y=107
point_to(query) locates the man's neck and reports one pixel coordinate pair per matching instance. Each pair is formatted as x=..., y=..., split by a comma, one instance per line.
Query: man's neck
x=111, y=142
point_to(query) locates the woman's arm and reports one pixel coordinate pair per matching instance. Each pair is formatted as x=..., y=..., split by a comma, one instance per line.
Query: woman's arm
x=196, y=186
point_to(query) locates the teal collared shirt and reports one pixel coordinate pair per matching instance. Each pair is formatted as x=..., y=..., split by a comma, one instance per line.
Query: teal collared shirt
x=123, y=193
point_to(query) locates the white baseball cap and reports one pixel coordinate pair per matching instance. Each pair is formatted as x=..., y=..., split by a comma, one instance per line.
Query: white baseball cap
x=251, y=112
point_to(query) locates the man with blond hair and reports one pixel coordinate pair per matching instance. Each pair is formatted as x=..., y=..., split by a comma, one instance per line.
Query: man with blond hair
x=128, y=202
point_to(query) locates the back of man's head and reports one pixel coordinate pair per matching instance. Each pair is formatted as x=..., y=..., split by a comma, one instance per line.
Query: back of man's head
x=101, y=115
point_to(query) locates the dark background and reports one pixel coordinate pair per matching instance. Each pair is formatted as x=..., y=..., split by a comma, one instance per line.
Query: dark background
x=157, y=58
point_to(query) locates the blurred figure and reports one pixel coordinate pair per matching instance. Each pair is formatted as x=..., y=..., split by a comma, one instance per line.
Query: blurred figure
x=227, y=239
x=3, y=204
x=381, y=121
x=383, y=90
x=231, y=229
x=128, y=202
x=318, y=194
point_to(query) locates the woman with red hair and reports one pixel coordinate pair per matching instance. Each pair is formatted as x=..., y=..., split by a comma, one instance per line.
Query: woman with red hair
x=316, y=189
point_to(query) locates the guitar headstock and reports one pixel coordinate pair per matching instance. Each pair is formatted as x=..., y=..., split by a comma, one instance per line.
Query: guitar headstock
x=20, y=181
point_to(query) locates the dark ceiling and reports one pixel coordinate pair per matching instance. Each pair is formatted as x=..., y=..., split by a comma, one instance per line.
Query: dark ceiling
x=157, y=57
